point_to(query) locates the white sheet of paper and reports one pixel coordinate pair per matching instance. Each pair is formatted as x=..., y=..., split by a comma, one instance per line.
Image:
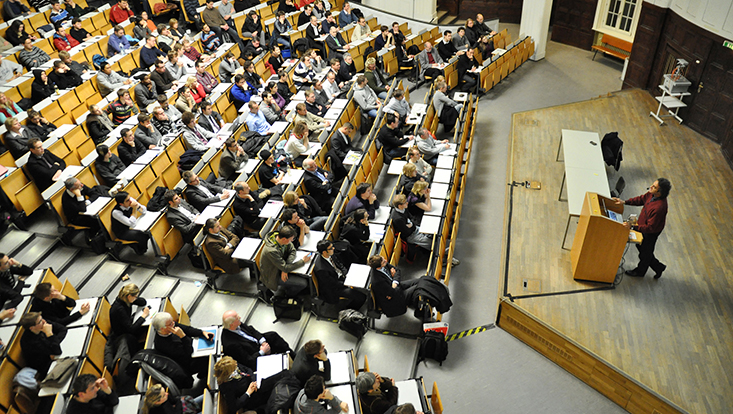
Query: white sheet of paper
x=358, y=276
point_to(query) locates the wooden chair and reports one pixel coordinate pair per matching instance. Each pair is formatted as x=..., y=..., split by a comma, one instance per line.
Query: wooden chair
x=105, y=216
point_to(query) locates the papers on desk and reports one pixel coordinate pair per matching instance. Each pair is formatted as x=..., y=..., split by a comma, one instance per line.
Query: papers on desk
x=217, y=141
x=408, y=144
x=430, y=224
x=439, y=190
x=272, y=209
x=381, y=215
x=203, y=347
x=61, y=130
x=442, y=175
x=154, y=305
x=346, y=393
x=94, y=208
x=410, y=393
x=313, y=148
x=445, y=161
x=87, y=318
x=269, y=365
x=278, y=126
x=438, y=205
x=376, y=232
x=352, y=157
x=333, y=113
x=460, y=96
x=311, y=239
x=247, y=248
x=299, y=255
x=130, y=172
x=73, y=344
x=357, y=276
x=31, y=280
x=395, y=167
x=145, y=221
x=69, y=171
x=210, y=211
x=342, y=367
x=249, y=166
x=128, y=404
x=148, y=156
x=224, y=202
x=293, y=176
x=340, y=103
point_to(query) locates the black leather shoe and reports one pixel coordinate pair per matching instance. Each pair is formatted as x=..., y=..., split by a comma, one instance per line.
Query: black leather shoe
x=634, y=273
x=658, y=274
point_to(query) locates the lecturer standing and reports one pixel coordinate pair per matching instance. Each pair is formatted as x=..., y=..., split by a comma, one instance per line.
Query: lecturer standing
x=651, y=223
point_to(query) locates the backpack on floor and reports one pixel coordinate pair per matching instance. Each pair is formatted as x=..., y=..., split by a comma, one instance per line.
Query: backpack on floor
x=353, y=322
x=433, y=346
x=286, y=308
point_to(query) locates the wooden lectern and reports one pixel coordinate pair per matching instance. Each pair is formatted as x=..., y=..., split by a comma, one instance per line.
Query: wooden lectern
x=599, y=240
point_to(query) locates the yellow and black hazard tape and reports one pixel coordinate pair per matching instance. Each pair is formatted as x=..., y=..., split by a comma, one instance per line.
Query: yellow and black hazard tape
x=459, y=335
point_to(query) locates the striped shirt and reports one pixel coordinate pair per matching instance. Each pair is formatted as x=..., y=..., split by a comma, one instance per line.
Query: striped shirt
x=33, y=58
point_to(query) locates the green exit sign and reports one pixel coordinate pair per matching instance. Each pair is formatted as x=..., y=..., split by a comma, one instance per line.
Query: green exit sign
x=728, y=44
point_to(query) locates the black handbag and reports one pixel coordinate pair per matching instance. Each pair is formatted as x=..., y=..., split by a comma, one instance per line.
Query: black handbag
x=286, y=308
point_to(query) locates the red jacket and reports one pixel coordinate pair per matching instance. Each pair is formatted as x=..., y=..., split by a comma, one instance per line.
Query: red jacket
x=117, y=15
x=61, y=44
x=653, y=215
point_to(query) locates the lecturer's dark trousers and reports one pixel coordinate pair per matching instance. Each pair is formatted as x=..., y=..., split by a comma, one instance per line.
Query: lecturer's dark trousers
x=646, y=254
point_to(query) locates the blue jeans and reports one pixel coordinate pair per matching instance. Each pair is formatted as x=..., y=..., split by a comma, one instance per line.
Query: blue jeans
x=372, y=113
x=382, y=95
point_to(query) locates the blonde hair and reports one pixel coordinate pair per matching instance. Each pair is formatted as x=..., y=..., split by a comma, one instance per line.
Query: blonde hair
x=418, y=187
x=399, y=199
x=152, y=396
x=370, y=61
x=224, y=368
x=190, y=82
x=290, y=198
x=300, y=128
x=128, y=290
x=409, y=168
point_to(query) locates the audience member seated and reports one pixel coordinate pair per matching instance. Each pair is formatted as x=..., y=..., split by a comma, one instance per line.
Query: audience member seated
x=315, y=398
x=200, y=193
x=206, y=80
x=13, y=9
x=172, y=113
x=62, y=40
x=244, y=343
x=392, y=138
x=366, y=98
x=384, y=39
x=109, y=81
x=254, y=48
x=398, y=106
x=209, y=39
x=465, y=67
x=122, y=108
x=447, y=48
x=460, y=41
x=221, y=243
x=196, y=137
x=175, y=341
x=146, y=133
x=241, y=92
x=227, y=68
x=364, y=198
x=247, y=205
x=163, y=124
x=16, y=138
x=123, y=222
x=178, y=65
x=327, y=23
x=120, y=12
x=319, y=184
x=313, y=107
x=328, y=90
x=418, y=200
x=408, y=178
x=55, y=306
x=276, y=60
x=312, y=34
x=297, y=145
x=74, y=202
x=348, y=68
x=341, y=141
x=76, y=67
x=130, y=148
x=390, y=292
x=43, y=166
x=341, y=78
x=415, y=157
x=270, y=109
x=330, y=274
x=278, y=260
x=256, y=120
x=63, y=77
x=78, y=32
x=32, y=56
x=312, y=359
x=375, y=80
x=251, y=76
x=8, y=108
x=289, y=218
x=121, y=318
x=429, y=146
x=445, y=108
x=355, y=230
x=99, y=124
x=485, y=47
x=141, y=30
x=86, y=398
x=472, y=35
x=283, y=87
x=269, y=173
x=303, y=73
x=279, y=30
x=287, y=7
x=109, y=165
x=361, y=31
x=157, y=401
x=405, y=225
x=182, y=216
x=482, y=28
x=307, y=209
x=233, y=158
x=39, y=125
x=146, y=92
x=190, y=95
x=117, y=42
x=273, y=89
x=162, y=77
x=10, y=288
x=165, y=38
x=428, y=57
x=346, y=16
x=313, y=122
x=41, y=342
x=377, y=394
x=336, y=43
x=238, y=387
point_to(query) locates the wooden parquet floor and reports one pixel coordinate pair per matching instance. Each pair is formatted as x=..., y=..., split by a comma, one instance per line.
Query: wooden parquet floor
x=675, y=334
